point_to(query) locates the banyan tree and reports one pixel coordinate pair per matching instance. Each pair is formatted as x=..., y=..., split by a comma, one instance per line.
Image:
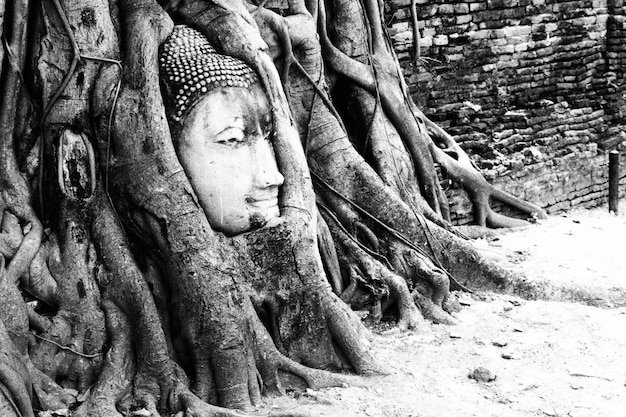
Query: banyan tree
x=194, y=192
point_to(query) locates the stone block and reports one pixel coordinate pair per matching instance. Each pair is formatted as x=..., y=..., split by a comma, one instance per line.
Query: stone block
x=521, y=47
x=461, y=8
x=501, y=4
x=445, y=8
x=426, y=42
x=464, y=18
x=475, y=7
x=440, y=40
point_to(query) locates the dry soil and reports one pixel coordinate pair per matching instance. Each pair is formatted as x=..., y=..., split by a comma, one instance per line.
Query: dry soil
x=549, y=358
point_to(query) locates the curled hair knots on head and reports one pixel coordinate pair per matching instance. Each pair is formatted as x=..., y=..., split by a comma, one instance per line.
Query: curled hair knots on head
x=190, y=67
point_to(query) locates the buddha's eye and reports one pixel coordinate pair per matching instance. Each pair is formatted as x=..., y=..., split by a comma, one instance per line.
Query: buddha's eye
x=231, y=140
x=231, y=137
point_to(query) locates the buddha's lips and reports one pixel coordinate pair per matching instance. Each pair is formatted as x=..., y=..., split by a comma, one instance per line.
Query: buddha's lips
x=262, y=202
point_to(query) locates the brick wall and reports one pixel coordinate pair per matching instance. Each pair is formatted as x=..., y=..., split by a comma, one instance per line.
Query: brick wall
x=534, y=90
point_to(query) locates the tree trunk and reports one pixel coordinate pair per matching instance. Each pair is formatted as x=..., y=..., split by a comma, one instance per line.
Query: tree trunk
x=120, y=295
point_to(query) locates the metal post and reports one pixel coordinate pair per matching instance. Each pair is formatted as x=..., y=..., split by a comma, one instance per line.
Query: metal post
x=613, y=181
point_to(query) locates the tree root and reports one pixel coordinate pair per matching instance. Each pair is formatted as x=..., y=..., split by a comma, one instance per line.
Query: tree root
x=458, y=166
x=432, y=311
x=10, y=234
x=115, y=378
x=294, y=269
x=270, y=22
x=369, y=270
x=388, y=86
x=329, y=255
x=270, y=361
x=14, y=376
x=194, y=407
x=49, y=395
x=15, y=193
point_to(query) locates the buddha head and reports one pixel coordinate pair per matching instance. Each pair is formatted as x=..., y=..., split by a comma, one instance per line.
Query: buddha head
x=221, y=127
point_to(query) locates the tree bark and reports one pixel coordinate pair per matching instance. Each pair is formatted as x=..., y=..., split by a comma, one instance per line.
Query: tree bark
x=118, y=293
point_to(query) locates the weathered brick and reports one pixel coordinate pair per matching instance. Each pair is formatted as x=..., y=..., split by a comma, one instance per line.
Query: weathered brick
x=465, y=18
x=445, y=9
x=461, y=8
x=561, y=63
x=440, y=40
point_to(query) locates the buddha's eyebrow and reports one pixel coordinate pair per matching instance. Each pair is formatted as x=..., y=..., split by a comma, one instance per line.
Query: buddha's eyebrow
x=229, y=133
x=225, y=123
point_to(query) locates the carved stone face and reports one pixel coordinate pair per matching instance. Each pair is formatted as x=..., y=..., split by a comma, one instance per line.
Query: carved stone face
x=225, y=151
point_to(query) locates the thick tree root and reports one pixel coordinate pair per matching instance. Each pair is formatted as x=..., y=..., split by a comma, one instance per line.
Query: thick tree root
x=329, y=255
x=458, y=166
x=270, y=361
x=381, y=81
x=290, y=268
x=114, y=381
x=50, y=395
x=14, y=375
x=368, y=270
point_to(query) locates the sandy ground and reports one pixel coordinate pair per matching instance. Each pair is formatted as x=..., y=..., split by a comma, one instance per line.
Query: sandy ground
x=549, y=358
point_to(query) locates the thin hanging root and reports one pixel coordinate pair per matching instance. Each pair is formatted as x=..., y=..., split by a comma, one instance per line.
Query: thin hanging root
x=2, y=12
x=67, y=348
x=393, y=232
x=421, y=266
x=415, y=51
x=320, y=93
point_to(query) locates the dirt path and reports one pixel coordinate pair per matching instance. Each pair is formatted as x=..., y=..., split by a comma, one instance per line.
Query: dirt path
x=582, y=249
x=550, y=358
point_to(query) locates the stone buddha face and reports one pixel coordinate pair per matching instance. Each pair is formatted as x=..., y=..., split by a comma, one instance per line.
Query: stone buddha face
x=223, y=126
x=224, y=147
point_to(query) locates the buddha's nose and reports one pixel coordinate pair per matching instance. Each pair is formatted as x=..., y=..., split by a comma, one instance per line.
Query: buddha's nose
x=266, y=170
